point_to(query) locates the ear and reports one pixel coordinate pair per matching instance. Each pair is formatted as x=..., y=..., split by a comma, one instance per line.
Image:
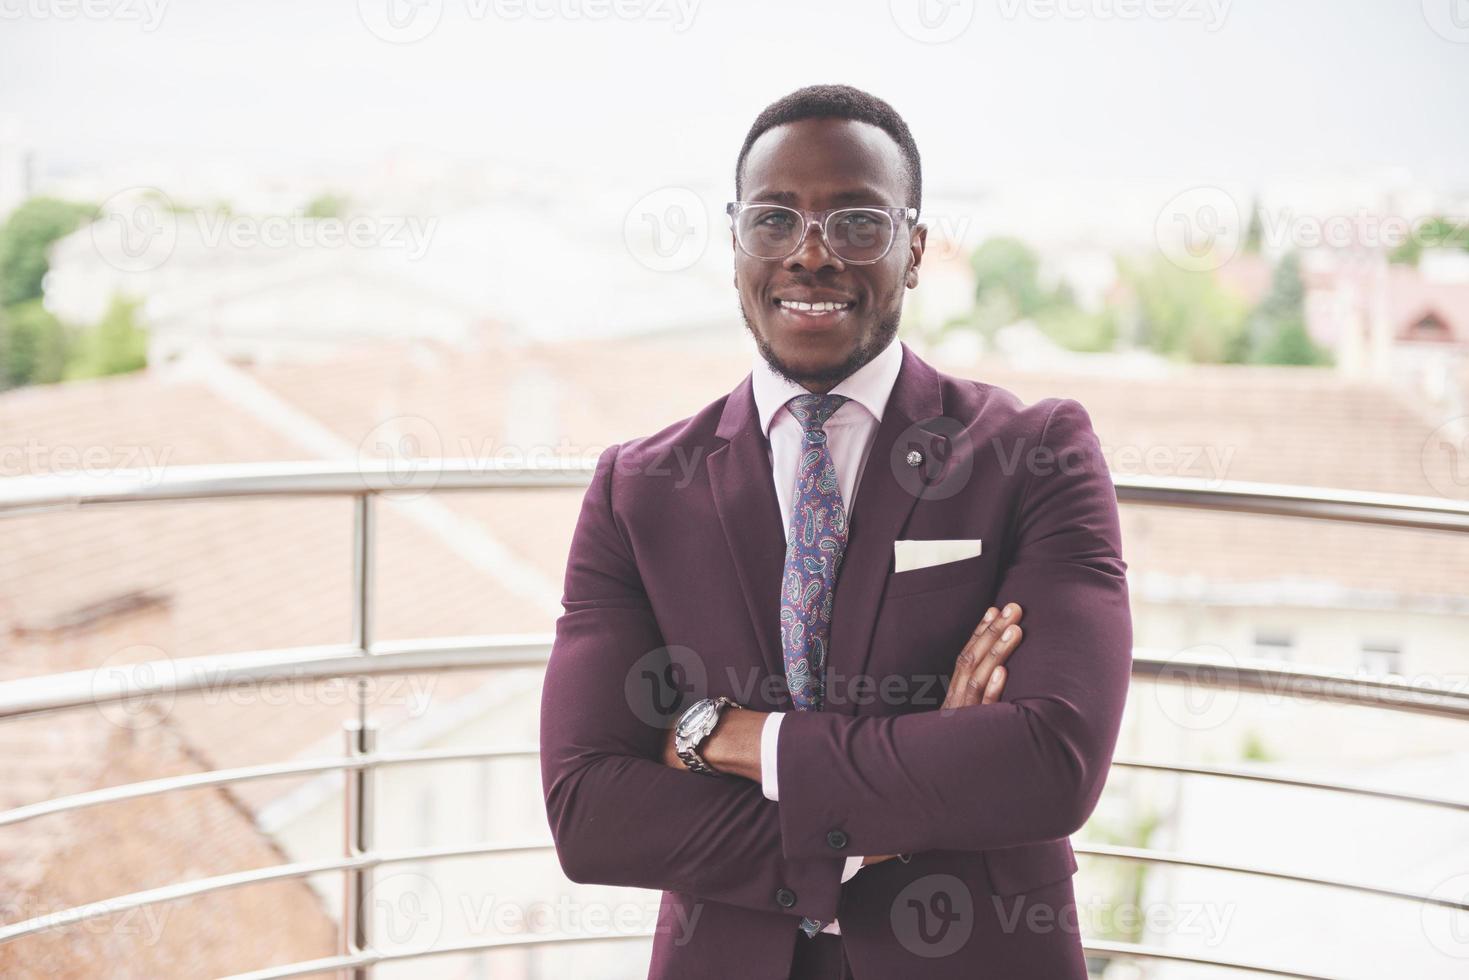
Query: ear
x=734, y=260
x=918, y=241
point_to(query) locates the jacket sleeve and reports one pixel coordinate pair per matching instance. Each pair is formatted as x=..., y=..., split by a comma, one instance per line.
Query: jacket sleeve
x=1029, y=767
x=618, y=814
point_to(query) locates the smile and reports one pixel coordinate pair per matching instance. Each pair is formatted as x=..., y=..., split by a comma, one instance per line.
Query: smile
x=812, y=309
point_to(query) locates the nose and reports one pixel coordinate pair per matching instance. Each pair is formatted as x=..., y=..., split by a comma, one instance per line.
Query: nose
x=812, y=254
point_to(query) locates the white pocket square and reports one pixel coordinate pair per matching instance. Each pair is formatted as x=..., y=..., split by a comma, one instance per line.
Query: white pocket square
x=909, y=554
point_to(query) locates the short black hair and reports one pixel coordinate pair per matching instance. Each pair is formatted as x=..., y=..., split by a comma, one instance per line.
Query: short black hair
x=837, y=102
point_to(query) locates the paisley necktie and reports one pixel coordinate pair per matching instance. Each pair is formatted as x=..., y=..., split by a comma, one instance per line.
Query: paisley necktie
x=816, y=539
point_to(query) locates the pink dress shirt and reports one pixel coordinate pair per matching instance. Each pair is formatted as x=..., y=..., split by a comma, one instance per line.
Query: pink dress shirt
x=850, y=432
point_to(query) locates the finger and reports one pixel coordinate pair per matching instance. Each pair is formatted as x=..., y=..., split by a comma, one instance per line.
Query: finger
x=980, y=654
x=996, y=686
x=964, y=665
x=998, y=653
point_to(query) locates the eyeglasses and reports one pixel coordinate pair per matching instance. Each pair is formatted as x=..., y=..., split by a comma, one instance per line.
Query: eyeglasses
x=857, y=236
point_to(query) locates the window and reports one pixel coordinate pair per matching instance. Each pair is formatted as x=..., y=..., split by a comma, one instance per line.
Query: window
x=1382, y=657
x=1273, y=644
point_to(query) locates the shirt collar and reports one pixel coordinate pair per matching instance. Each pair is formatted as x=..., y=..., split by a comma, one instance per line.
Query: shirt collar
x=869, y=386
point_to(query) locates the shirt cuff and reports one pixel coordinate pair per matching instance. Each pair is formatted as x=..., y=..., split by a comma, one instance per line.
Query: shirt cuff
x=769, y=732
x=854, y=865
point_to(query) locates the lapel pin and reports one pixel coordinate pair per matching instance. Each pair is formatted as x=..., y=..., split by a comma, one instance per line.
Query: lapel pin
x=915, y=458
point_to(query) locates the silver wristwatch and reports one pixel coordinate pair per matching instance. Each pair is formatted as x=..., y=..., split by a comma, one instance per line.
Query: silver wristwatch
x=694, y=725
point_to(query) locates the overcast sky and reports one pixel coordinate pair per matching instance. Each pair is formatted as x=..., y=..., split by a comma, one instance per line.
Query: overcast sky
x=1239, y=89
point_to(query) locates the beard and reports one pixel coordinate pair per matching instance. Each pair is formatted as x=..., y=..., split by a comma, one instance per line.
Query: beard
x=887, y=329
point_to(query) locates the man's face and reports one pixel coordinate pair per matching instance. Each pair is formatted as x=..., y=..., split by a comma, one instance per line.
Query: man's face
x=815, y=164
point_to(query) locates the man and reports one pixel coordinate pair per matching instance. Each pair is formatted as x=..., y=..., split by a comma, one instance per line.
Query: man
x=839, y=797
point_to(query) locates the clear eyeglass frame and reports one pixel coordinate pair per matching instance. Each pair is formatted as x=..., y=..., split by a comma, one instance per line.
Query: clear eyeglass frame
x=822, y=220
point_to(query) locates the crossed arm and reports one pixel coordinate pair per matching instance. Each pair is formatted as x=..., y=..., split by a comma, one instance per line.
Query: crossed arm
x=1027, y=768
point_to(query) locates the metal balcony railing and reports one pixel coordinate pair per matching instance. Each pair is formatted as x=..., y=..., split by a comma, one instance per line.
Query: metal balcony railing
x=364, y=657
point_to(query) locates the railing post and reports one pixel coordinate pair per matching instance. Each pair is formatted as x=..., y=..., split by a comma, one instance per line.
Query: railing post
x=362, y=560
x=358, y=835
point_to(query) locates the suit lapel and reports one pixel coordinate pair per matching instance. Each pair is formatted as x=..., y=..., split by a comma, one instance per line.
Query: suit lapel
x=743, y=487
x=885, y=498
x=749, y=512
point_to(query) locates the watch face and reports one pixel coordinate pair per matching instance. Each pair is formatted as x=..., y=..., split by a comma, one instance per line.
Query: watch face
x=696, y=718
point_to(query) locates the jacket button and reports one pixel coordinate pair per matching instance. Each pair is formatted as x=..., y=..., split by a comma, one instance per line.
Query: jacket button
x=785, y=898
x=836, y=839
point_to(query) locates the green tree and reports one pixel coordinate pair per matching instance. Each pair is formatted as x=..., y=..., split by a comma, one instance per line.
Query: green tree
x=1434, y=233
x=33, y=345
x=326, y=206
x=1076, y=329
x=1255, y=233
x=116, y=345
x=1182, y=314
x=1006, y=276
x=1277, y=327
x=24, y=239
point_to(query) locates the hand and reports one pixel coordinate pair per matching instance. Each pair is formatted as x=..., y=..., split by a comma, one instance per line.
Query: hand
x=979, y=673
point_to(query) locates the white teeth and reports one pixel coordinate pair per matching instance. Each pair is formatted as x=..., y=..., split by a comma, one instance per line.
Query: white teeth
x=790, y=304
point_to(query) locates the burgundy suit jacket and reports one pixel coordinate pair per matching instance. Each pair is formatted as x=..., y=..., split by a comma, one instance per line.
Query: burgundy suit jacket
x=672, y=593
